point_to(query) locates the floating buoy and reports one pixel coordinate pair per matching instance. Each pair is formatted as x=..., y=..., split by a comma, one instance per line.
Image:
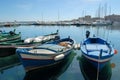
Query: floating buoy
x=53, y=36
x=113, y=65
x=28, y=40
x=59, y=57
x=77, y=46
x=115, y=51
x=37, y=39
x=45, y=38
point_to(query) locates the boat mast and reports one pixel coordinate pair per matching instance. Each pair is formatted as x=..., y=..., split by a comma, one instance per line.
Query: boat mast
x=99, y=18
x=58, y=15
x=42, y=18
x=105, y=10
x=99, y=10
x=110, y=26
x=105, y=14
x=110, y=10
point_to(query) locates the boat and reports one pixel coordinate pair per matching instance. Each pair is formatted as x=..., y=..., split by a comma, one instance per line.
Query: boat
x=9, y=36
x=102, y=23
x=9, y=48
x=97, y=51
x=45, y=55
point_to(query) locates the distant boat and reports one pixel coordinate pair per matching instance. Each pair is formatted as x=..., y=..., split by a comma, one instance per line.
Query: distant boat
x=36, y=23
x=45, y=55
x=9, y=48
x=101, y=23
x=97, y=51
x=7, y=25
x=9, y=36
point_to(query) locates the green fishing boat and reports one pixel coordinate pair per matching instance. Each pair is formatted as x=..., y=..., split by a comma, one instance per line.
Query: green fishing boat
x=8, y=48
x=9, y=36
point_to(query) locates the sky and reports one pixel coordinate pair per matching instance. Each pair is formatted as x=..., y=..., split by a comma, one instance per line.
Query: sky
x=52, y=10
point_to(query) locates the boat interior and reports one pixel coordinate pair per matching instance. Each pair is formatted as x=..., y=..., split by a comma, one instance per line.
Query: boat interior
x=49, y=49
x=95, y=40
x=95, y=46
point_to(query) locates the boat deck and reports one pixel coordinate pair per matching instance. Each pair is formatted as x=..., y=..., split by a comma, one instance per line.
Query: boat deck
x=48, y=49
x=97, y=47
x=94, y=49
x=41, y=51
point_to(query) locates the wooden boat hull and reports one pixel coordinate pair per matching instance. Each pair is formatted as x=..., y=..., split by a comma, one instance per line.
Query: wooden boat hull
x=32, y=62
x=9, y=47
x=45, y=55
x=97, y=64
x=10, y=38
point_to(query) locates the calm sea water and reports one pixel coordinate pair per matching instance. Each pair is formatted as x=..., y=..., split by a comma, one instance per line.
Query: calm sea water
x=69, y=70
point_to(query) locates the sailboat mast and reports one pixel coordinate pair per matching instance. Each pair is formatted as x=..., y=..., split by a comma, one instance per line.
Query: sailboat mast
x=58, y=15
x=110, y=10
x=105, y=10
x=42, y=16
x=99, y=10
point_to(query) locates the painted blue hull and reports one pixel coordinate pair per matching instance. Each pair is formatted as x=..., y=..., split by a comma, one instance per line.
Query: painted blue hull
x=45, y=55
x=28, y=63
x=31, y=64
x=97, y=51
x=97, y=65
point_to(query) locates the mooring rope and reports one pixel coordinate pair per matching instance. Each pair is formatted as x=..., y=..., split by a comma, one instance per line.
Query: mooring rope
x=98, y=68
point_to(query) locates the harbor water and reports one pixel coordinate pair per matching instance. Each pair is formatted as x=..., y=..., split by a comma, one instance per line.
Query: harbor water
x=70, y=68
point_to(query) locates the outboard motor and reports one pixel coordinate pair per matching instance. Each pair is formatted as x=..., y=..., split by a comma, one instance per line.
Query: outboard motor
x=57, y=37
x=12, y=33
x=87, y=34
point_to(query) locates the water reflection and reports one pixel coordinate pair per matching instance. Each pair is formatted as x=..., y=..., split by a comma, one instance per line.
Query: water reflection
x=8, y=61
x=51, y=72
x=77, y=33
x=90, y=73
x=10, y=68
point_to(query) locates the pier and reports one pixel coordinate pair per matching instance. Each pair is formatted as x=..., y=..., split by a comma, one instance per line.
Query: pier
x=48, y=23
x=86, y=20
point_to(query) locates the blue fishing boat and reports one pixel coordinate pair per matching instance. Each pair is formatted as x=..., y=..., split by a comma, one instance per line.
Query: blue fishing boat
x=46, y=54
x=97, y=51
